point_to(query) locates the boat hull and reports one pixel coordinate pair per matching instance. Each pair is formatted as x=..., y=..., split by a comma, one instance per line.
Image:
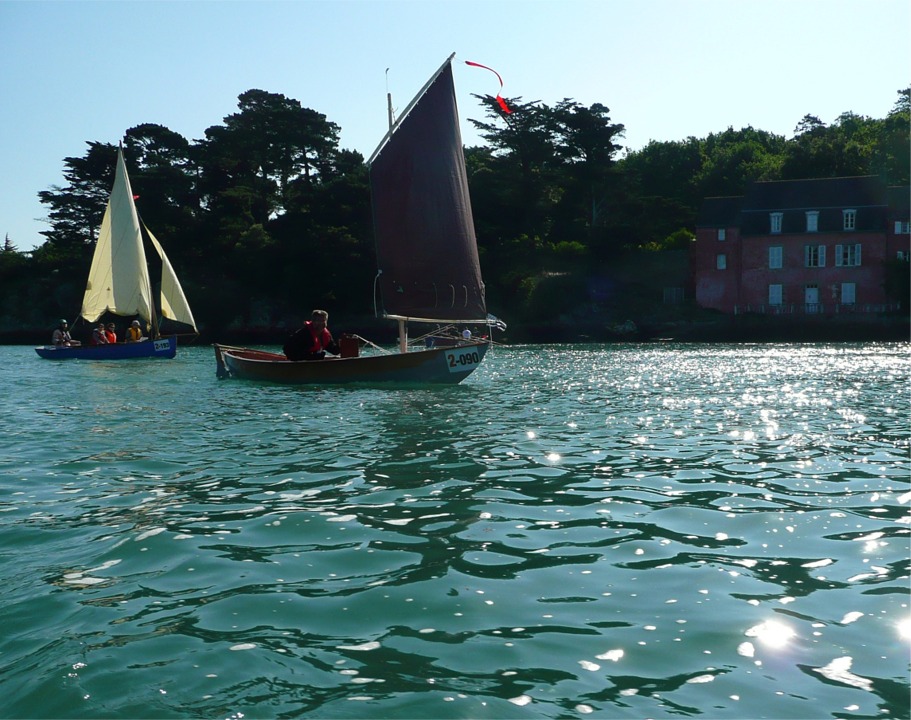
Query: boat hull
x=446, y=366
x=162, y=348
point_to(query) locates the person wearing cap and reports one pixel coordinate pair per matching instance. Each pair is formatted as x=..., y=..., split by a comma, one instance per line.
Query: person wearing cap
x=111, y=333
x=62, y=337
x=134, y=332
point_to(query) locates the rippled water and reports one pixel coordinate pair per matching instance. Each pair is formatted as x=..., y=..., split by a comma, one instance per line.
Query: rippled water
x=630, y=531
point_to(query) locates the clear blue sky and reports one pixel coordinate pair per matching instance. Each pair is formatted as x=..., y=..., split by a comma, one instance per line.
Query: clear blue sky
x=79, y=71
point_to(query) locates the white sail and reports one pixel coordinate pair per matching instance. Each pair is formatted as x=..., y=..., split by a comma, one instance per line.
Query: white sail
x=119, y=278
x=174, y=305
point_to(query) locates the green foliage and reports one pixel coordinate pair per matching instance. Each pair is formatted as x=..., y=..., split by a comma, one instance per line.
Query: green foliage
x=678, y=240
x=548, y=295
x=898, y=282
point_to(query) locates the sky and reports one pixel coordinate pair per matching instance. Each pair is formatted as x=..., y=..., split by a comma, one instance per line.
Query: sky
x=78, y=71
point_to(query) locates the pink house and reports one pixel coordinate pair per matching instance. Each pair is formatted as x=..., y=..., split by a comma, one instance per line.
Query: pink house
x=812, y=247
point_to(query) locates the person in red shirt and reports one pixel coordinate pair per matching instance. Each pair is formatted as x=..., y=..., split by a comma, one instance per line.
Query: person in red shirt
x=111, y=334
x=313, y=340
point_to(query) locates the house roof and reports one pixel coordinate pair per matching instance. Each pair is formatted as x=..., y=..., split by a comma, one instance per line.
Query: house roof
x=899, y=201
x=719, y=212
x=815, y=194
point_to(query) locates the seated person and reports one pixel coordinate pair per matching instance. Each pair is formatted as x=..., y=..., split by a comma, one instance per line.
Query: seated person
x=134, y=332
x=99, y=335
x=313, y=340
x=62, y=338
x=111, y=333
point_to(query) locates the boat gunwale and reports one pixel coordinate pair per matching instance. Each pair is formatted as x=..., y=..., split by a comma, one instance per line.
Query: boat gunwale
x=243, y=353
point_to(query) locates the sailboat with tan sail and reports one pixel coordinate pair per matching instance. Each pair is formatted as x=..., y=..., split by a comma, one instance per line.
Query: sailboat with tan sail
x=119, y=284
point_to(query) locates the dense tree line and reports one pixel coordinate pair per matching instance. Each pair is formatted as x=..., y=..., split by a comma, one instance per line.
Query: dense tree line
x=266, y=216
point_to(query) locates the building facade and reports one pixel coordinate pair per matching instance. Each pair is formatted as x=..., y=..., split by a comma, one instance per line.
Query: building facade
x=811, y=247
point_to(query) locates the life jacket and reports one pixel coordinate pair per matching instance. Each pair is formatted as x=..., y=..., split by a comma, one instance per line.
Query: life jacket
x=112, y=338
x=320, y=341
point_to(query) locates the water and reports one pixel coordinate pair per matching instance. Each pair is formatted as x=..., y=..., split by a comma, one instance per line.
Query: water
x=624, y=531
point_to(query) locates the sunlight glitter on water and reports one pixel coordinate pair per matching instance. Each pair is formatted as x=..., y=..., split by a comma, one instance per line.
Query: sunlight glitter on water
x=773, y=633
x=642, y=517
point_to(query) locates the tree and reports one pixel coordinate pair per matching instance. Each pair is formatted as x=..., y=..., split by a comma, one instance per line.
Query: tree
x=76, y=209
x=842, y=149
x=525, y=146
x=735, y=158
x=586, y=145
x=262, y=149
x=891, y=156
x=659, y=193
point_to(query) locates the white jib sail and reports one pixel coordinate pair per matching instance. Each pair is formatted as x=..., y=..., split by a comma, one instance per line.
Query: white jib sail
x=174, y=305
x=119, y=277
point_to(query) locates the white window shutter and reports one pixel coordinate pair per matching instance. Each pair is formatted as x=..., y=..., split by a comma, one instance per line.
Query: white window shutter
x=838, y=256
x=822, y=256
x=857, y=254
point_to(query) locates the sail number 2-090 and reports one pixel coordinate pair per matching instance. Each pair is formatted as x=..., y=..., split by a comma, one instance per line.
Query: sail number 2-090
x=460, y=360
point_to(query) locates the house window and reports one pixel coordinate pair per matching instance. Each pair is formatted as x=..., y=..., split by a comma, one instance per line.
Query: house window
x=848, y=291
x=814, y=255
x=721, y=261
x=721, y=234
x=812, y=220
x=775, y=294
x=902, y=227
x=847, y=255
x=775, y=222
x=849, y=219
x=775, y=257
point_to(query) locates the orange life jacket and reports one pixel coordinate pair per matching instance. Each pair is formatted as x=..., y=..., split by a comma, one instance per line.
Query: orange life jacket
x=321, y=340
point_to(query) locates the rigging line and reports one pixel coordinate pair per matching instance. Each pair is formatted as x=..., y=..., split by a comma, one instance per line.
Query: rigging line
x=376, y=280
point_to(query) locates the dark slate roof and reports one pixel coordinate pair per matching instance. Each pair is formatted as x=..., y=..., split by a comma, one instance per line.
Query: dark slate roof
x=815, y=194
x=828, y=196
x=720, y=212
x=900, y=201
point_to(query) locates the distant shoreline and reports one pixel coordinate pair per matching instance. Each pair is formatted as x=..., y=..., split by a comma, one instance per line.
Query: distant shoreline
x=742, y=329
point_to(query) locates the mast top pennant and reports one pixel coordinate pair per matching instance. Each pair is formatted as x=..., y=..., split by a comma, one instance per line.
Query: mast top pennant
x=500, y=101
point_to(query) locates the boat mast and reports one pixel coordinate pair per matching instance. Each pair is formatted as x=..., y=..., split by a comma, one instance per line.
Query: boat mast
x=403, y=335
x=403, y=327
x=389, y=112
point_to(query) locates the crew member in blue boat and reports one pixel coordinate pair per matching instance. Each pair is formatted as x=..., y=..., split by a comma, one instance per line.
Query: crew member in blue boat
x=99, y=335
x=61, y=336
x=111, y=334
x=134, y=332
x=313, y=340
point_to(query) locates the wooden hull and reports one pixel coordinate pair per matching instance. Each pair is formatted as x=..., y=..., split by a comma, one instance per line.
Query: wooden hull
x=163, y=348
x=446, y=366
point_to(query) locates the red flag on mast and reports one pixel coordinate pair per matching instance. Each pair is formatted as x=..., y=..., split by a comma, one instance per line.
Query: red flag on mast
x=500, y=101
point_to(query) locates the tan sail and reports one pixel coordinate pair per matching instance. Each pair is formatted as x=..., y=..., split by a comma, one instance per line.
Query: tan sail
x=119, y=278
x=174, y=305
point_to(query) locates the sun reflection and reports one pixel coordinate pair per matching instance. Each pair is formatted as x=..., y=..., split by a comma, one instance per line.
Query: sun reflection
x=904, y=629
x=772, y=633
